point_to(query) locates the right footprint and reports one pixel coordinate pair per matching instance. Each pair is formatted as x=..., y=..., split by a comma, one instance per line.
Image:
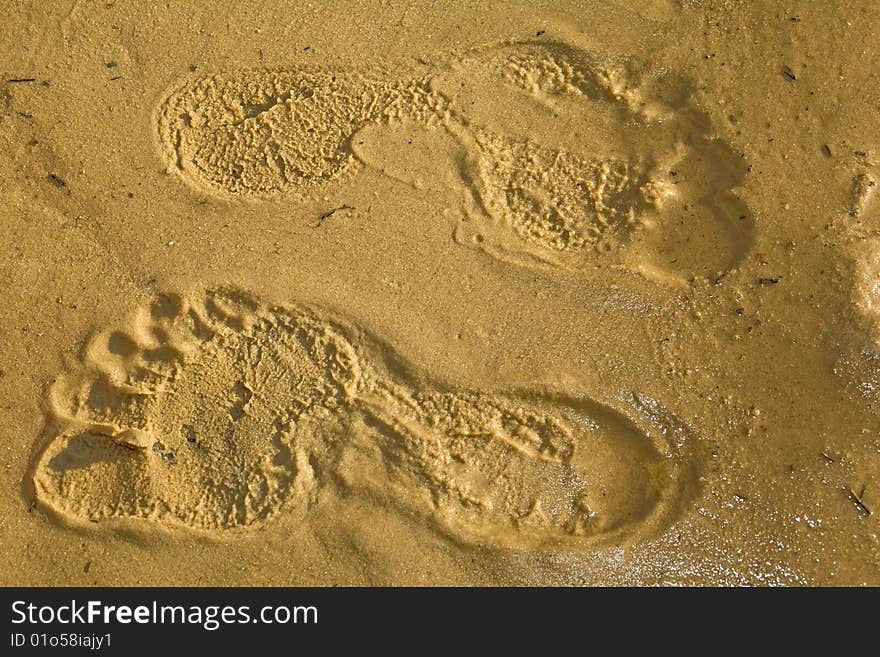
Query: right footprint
x=563, y=160
x=216, y=412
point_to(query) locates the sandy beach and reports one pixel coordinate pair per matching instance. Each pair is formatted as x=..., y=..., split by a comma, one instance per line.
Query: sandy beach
x=440, y=293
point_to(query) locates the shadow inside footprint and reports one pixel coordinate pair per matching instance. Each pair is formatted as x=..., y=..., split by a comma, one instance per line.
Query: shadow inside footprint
x=534, y=469
x=577, y=165
x=87, y=449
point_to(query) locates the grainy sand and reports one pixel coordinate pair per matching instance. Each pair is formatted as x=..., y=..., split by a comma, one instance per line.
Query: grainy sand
x=392, y=293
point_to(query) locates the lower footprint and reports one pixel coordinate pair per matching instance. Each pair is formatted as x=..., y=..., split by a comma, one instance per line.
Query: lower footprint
x=217, y=412
x=564, y=160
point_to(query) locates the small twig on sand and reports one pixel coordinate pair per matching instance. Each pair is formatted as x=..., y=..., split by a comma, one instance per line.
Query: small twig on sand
x=861, y=507
x=330, y=213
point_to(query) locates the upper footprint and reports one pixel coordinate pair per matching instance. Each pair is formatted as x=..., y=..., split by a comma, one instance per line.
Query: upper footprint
x=565, y=157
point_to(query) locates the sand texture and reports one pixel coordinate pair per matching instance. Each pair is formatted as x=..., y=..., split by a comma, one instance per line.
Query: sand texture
x=414, y=293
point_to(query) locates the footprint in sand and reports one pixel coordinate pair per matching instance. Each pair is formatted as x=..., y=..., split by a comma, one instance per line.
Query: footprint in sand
x=215, y=412
x=855, y=235
x=563, y=160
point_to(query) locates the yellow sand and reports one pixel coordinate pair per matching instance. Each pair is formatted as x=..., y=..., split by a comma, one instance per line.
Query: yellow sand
x=350, y=293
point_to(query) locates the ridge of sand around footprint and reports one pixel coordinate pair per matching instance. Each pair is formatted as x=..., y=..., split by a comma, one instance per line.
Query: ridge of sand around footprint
x=215, y=412
x=565, y=158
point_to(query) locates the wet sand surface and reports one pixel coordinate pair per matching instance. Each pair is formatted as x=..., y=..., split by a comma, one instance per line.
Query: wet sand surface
x=415, y=293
